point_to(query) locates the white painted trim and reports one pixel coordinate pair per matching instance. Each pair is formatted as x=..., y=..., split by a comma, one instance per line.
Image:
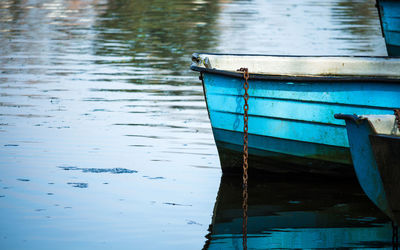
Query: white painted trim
x=306, y=66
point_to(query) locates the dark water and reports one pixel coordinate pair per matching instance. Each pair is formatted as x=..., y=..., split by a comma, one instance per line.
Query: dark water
x=294, y=212
x=105, y=141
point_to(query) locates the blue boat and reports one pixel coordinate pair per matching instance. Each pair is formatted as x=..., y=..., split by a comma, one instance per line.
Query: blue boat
x=292, y=103
x=375, y=148
x=389, y=15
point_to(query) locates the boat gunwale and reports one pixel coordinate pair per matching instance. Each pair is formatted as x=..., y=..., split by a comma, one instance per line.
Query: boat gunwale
x=296, y=78
x=280, y=55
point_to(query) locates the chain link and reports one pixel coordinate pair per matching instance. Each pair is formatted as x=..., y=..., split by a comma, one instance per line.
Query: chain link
x=397, y=114
x=245, y=152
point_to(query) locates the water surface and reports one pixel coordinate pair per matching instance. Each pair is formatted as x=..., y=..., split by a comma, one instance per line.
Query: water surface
x=105, y=141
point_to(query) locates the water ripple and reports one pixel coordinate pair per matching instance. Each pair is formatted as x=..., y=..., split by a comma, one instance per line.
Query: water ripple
x=100, y=170
x=78, y=184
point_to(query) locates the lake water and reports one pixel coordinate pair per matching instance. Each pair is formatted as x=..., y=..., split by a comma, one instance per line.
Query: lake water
x=105, y=141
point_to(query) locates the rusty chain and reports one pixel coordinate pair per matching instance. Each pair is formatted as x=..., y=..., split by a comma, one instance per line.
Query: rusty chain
x=245, y=152
x=395, y=236
x=397, y=115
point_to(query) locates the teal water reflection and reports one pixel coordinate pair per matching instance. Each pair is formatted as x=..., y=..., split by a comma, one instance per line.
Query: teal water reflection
x=297, y=213
x=105, y=141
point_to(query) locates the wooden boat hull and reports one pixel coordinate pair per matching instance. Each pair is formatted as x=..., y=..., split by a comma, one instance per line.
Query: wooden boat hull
x=376, y=163
x=291, y=118
x=279, y=155
x=389, y=14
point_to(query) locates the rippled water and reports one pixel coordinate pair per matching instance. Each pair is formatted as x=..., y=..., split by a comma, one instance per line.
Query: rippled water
x=105, y=141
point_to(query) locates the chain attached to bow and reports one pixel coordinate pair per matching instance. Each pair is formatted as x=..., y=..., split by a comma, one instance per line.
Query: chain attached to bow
x=245, y=152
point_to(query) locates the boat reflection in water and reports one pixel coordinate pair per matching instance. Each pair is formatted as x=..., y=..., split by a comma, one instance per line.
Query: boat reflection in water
x=294, y=212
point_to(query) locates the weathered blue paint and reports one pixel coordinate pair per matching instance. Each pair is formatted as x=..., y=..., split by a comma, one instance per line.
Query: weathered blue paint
x=294, y=119
x=365, y=166
x=272, y=147
x=389, y=13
